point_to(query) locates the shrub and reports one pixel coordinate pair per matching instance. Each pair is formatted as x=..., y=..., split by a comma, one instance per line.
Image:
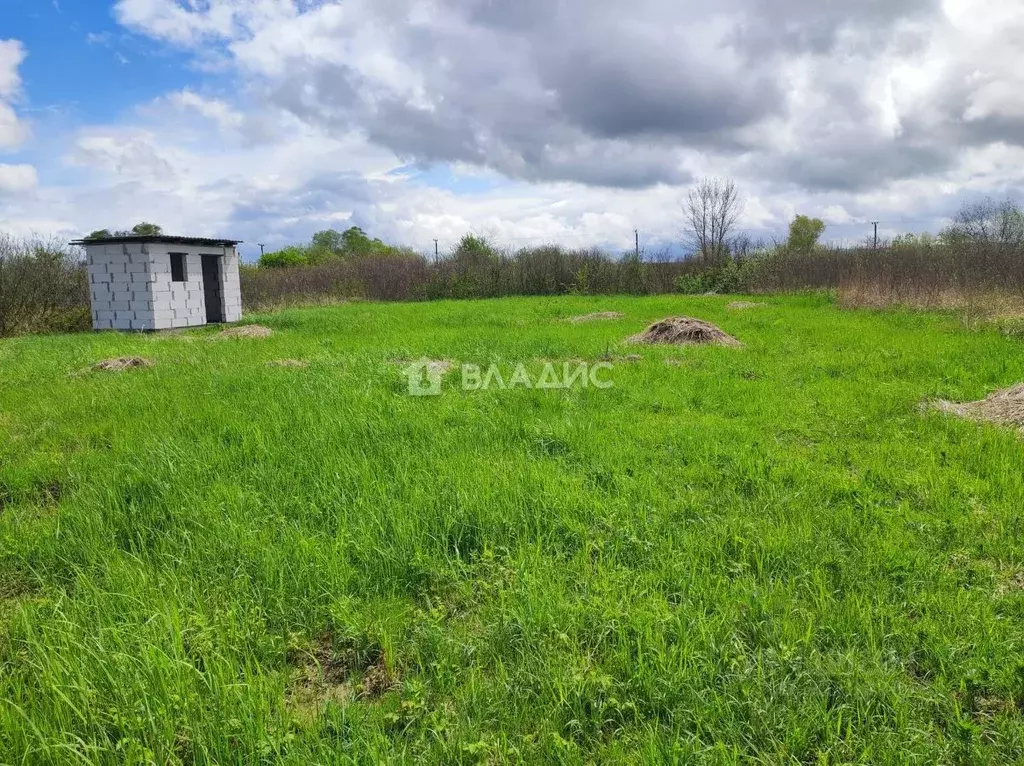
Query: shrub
x=289, y=256
x=731, y=276
x=44, y=287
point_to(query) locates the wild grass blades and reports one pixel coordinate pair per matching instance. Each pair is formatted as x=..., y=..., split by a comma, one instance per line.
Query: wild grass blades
x=760, y=553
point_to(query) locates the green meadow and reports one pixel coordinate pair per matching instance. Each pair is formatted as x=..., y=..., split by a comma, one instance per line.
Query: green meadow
x=763, y=554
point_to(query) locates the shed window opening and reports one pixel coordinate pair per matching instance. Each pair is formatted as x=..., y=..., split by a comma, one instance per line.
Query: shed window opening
x=178, y=267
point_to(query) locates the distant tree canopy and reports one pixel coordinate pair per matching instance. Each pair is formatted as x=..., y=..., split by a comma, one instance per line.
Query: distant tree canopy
x=295, y=255
x=804, y=233
x=987, y=222
x=328, y=245
x=139, y=230
x=923, y=239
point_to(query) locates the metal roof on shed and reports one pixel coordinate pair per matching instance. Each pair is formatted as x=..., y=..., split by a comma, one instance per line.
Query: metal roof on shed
x=159, y=239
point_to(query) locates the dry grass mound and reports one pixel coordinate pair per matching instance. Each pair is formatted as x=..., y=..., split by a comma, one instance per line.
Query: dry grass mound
x=121, y=364
x=1005, y=407
x=245, y=331
x=329, y=672
x=740, y=305
x=685, y=331
x=297, y=363
x=597, y=317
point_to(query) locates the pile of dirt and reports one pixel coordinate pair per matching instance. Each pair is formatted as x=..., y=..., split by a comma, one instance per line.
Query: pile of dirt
x=299, y=363
x=598, y=317
x=739, y=305
x=1005, y=407
x=329, y=672
x=685, y=331
x=245, y=331
x=121, y=364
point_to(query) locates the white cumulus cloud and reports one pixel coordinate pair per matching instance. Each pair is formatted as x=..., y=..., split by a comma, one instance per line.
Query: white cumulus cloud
x=17, y=179
x=13, y=132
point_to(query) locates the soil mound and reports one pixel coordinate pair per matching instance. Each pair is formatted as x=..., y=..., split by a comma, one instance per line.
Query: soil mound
x=685, y=331
x=1005, y=407
x=598, y=317
x=245, y=331
x=121, y=364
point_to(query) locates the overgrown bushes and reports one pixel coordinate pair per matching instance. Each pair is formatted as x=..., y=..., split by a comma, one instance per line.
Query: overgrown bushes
x=474, y=269
x=44, y=287
x=918, y=271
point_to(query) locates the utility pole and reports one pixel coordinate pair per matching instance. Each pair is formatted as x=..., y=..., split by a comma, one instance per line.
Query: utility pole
x=261, y=248
x=637, y=233
x=875, y=223
x=437, y=252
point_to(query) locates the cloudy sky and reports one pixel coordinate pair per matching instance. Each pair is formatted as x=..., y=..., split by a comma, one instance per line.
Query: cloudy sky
x=572, y=121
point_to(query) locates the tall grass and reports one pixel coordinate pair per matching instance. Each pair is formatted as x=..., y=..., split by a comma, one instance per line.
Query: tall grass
x=753, y=555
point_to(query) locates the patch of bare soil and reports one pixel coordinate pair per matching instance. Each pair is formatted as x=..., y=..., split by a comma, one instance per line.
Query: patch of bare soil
x=1011, y=583
x=245, y=331
x=740, y=305
x=1004, y=407
x=121, y=364
x=329, y=673
x=685, y=331
x=298, y=363
x=597, y=317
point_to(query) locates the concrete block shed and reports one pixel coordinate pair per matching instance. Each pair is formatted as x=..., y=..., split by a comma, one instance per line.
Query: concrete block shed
x=160, y=282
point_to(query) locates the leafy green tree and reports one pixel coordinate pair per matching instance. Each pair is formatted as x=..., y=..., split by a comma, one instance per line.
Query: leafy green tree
x=147, y=229
x=325, y=245
x=804, y=233
x=100, y=234
x=353, y=242
x=329, y=240
x=294, y=255
x=358, y=243
x=474, y=248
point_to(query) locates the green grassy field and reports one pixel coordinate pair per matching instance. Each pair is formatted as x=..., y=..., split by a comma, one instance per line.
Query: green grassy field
x=765, y=553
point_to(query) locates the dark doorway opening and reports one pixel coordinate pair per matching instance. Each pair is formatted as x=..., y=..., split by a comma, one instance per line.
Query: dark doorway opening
x=211, y=289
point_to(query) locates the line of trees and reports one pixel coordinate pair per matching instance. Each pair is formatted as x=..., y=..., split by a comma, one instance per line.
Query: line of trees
x=44, y=286
x=330, y=245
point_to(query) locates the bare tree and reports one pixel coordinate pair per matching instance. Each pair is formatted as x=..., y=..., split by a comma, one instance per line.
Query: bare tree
x=712, y=208
x=988, y=221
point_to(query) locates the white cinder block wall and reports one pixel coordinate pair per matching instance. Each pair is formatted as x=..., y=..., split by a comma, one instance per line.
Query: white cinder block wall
x=231, y=287
x=120, y=282
x=177, y=304
x=132, y=287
